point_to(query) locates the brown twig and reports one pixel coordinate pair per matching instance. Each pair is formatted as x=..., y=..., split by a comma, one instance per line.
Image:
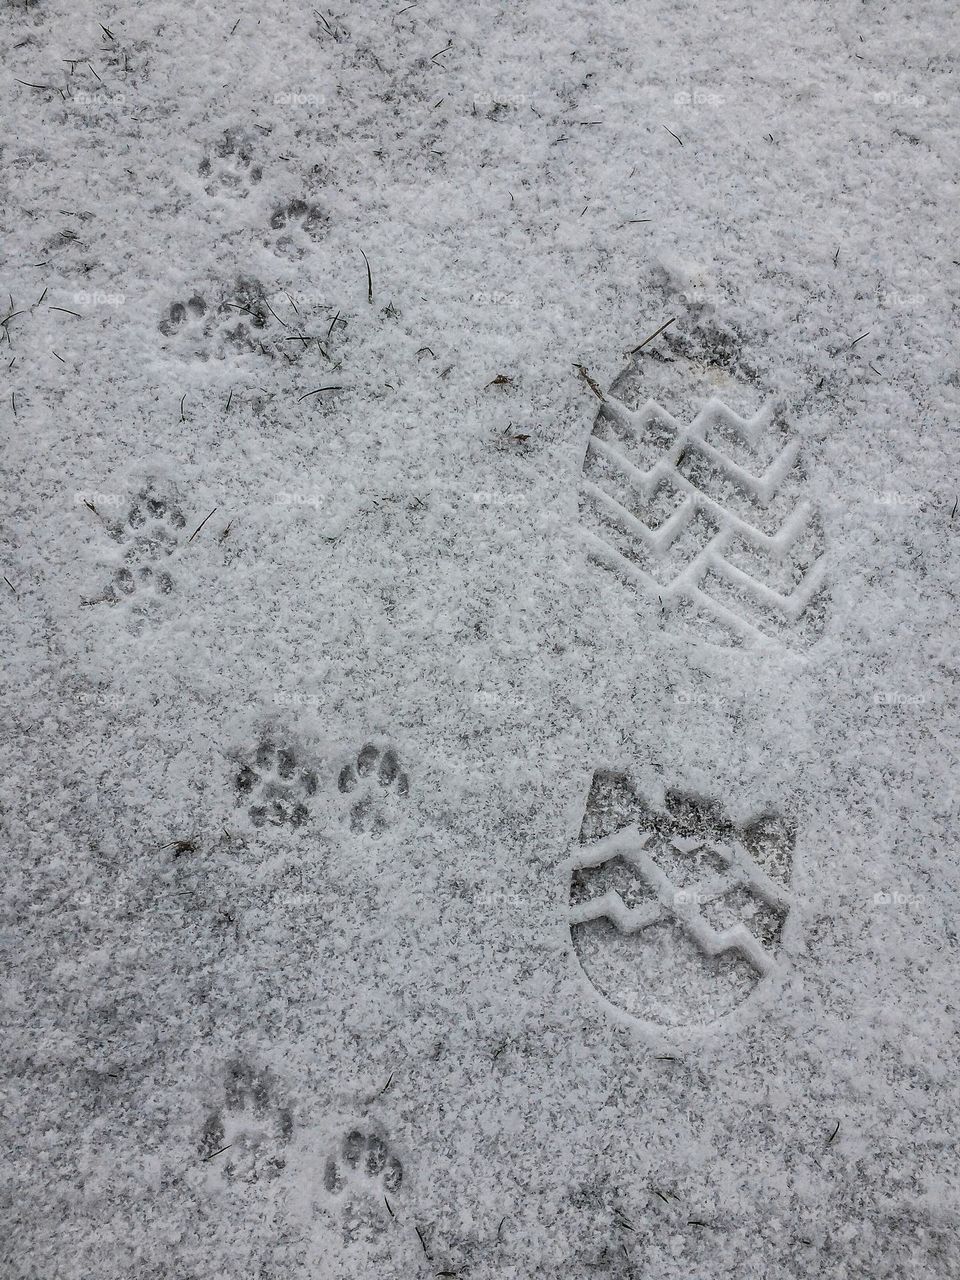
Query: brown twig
x=585, y=377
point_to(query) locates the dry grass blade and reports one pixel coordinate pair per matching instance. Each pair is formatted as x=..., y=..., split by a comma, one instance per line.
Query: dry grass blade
x=585, y=377
x=653, y=335
x=369, y=281
x=308, y=394
x=200, y=526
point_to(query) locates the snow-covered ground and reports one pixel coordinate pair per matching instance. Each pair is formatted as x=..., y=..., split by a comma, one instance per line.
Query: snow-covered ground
x=480, y=792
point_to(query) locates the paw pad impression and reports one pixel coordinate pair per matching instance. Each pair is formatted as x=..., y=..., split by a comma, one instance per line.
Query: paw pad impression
x=245, y=1139
x=148, y=536
x=275, y=786
x=231, y=168
x=365, y=1162
x=375, y=781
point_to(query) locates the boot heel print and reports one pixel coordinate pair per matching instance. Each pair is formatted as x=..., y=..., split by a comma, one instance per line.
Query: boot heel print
x=677, y=916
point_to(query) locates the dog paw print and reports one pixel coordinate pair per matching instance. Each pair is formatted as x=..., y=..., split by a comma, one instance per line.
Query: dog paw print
x=183, y=318
x=376, y=781
x=230, y=170
x=148, y=535
x=241, y=322
x=246, y=1137
x=298, y=223
x=246, y=321
x=365, y=1162
x=275, y=787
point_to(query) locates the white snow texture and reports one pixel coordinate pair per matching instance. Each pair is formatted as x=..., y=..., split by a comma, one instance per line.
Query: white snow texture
x=479, y=618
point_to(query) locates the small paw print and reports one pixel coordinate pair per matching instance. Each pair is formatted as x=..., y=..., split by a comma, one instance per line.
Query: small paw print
x=231, y=169
x=241, y=322
x=246, y=320
x=148, y=535
x=365, y=1161
x=298, y=223
x=275, y=787
x=184, y=317
x=246, y=1138
x=377, y=779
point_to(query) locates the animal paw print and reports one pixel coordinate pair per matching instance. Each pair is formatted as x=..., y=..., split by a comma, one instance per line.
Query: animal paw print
x=230, y=170
x=241, y=322
x=246, y=320
x=149, y=536
x=275, y=787
x=246, y=1137
x=365, y=1162
x=298, y=223
x=378, y=779
x=183, y=317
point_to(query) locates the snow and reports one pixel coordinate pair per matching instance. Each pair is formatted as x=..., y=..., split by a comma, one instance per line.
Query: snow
x=334, y=589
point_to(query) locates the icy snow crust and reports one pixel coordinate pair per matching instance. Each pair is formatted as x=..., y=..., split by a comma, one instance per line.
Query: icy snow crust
x=321, y=700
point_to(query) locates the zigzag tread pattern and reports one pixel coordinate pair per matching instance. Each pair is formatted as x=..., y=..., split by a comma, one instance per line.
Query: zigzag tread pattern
x=676, y=912
x=683, y=904
x=708, y=520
